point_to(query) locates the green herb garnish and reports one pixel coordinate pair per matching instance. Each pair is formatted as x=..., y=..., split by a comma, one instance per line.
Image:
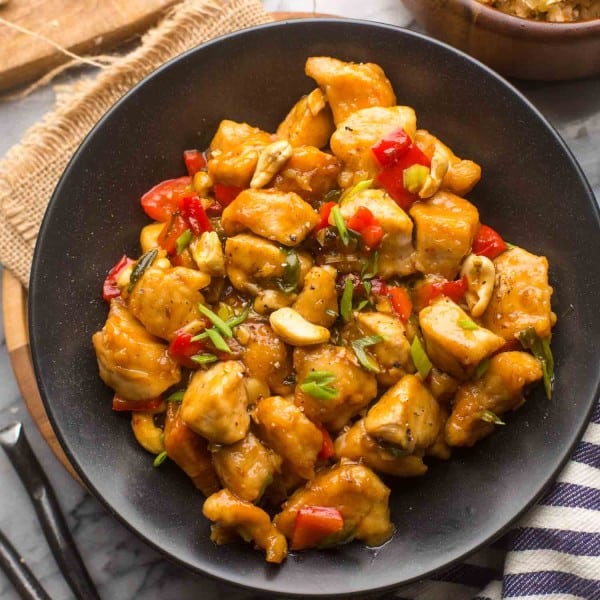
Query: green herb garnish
x=216, y=321
x=540, y=347
x=346, y=301
x=218, y=341
x=331, y=313
x=420, y=358
x=141, y=266
x=239, y=319
x=367, y=361
x=316, y=384
x=468, y=324
x=362, y=304
x=359, y=187
x=291, y=273
x=204, y=359
x=414, y=177
x=183, y=241
x=489, y=417
x=482, y=368
x=160, y=459
x=341, y=226
x=176, y=396
x=370, y=267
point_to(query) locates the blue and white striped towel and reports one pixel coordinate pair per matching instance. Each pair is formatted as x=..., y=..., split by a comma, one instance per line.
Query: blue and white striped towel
x=554, y=551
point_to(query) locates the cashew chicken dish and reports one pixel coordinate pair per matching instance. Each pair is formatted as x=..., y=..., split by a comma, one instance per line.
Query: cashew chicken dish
x=315, y=308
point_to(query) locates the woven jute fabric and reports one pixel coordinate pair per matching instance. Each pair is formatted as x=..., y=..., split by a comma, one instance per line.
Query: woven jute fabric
x=30, y=171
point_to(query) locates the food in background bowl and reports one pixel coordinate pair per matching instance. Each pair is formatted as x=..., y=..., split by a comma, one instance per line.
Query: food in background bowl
x=556, y=11
x=318, y=306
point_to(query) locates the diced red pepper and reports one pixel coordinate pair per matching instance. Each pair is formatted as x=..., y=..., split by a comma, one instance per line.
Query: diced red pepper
x=427, y=292
x=214, y=209
x=327, y=450
x=109, y=288
x=488, y=242
x=194, y=161
x=182, y=349
x=364, y=222
x=401, y=302
x=167, y=238
x=193, y=212
x=391, y=147
x=313, y=524
x=226, y=194
x=392, y=178
x=121, y=404
x=372, y=235
x=162, y=200
x=324, y=213
x=455, y=290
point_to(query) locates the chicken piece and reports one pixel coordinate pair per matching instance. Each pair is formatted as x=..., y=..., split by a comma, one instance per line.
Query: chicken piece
x=462, y=175
x=355, y=386
x=285, y=429
x=309, y=123
x=309, y=173
x=317, y=302
x=452, y=348
x=253, y=263
x=356, y=492
x=131, y=361
x=207, y=253
x=148, y=435
x=149, y=236
x=356, y=444
x=165, y=300
x=246, y=467
x=446, y=226
x=214, y=404
x=440, y=448
x=189, y=451
x=234, y=152
x=278, y=216
x=442, y=386
x=395, y=250
x=407, y=415
x=350, y=86
x=521, y=297
x=266, y=356
x=354, y=138
x=250, y=522
x=393, y=353
x=478, y=403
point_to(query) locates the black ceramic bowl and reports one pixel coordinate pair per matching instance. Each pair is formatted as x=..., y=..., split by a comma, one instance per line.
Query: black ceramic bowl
x=532, y=191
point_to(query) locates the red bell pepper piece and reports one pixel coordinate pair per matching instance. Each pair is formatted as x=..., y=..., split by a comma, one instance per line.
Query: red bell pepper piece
x=488, y=243
x=162, y=200
x=214, y=209
x=182, y=349
x=401, y=302
x=226, y=194
x=194, y=161
x=427, y=292
x=324, y=213
x=313, y=524
x=364, y=222
x=109, y=288
x=392, y=177
x=121, y=404
x=193, y=212
x=327, y=450
x=167, y=238
x=455, y=290
x=391, y=147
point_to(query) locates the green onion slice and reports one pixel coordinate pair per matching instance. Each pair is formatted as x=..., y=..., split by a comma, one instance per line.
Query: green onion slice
x=141, y=266
x=216, y=321
x=291, y=273
x=346, y=302
x=217, y=339
x=160, y=459
x=420, y=358
x=341, y=226
x=239, y=319
x=359, y=187
x=367, y=361
x=370, y=267
x=331, y=313
x=316, y=384
x=176, y=396
x=204, y=358
x=320, y=377
x=489, y=417
x=414, y=177
x=183, y=241
x=482, y=368
x=468, y=324
x=540, y=347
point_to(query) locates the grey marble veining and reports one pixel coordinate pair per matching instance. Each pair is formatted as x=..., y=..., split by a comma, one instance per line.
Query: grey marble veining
x=124, y=567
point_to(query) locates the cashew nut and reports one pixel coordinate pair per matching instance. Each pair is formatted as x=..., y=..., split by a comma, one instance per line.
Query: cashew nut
x=294, y=329
x=202, y=182
x=270, y=160
x=480, y=273
x=256, y=389
x=439, y=167
x=149, y=436
x=207, y=253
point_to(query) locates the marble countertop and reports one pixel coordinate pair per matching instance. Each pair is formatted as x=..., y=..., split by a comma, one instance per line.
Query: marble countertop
x=122, y=566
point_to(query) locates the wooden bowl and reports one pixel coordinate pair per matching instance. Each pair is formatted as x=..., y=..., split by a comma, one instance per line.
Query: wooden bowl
x=513, y=46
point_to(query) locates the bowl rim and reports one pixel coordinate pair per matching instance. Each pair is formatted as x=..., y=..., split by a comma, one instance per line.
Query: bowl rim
x=498, y=21
x=214, y=572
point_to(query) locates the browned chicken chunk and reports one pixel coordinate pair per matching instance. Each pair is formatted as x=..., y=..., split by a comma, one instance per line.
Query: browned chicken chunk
x=318, y=302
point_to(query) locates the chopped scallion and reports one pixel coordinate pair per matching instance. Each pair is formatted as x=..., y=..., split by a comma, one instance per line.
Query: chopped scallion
x=176, y=396
x=291, y=273
x=331, y=313
x=239, y=319
x=341, y=226
x=346, y=301
x=468, y=324
x=414, y=177
x=141, y=266
x=183, y=241
x=489, y=417
x=217, y=339
x=420, y=358
x=540, y=347
x=316, y=384
x=482, y=368
x=359, y=187
x=362, y=304
x=160, y=459
x=205, y=358
x=367, y=361
x=216, y=321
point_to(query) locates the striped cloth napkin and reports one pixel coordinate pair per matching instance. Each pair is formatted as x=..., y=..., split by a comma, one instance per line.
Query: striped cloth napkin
x=554, y=551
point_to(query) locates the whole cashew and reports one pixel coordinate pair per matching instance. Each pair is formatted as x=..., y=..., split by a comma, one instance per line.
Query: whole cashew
x=480, y=273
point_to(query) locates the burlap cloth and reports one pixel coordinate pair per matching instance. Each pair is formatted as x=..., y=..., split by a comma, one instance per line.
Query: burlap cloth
x=30, y=171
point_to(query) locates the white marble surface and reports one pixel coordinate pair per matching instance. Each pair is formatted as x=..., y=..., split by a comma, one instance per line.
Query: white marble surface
x=123, y=567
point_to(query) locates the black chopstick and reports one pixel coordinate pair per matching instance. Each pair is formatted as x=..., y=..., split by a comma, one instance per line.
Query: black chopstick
x=50, y=516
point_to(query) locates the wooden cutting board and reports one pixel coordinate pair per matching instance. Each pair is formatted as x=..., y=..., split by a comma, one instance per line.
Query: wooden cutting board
x=81, y=26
